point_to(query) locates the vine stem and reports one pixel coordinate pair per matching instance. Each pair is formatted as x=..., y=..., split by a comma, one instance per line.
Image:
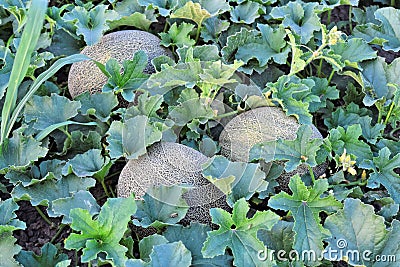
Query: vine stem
x=226, y=114
x=60, y=228
x=311, y=173
x=331, y=76
x=43, y=215
x=350, y=19
x=389, y=113
x=349, y=184
x=103, y=184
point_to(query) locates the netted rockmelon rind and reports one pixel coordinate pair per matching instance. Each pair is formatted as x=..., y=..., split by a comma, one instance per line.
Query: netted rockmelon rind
x=261, y=125
x=173, y=164
x=86, y=76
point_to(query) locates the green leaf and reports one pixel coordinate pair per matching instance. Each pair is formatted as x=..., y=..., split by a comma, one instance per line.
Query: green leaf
x=8, y=250
x=369, y=132
x=349, y=139
x=301, y=18
x=193, y=238
x=6, y=62
x=20, y=151
x=44, y=193
x=165, y=255
x=47, y=170
x=79, y=143
x=270, y=45
x=131, y=78
x=81, y=199
x=384, y=173
x=104, y=233
x=130, y=139
x=295, y=96
x=245, y=179
x=201, y=52
x=305, y=205
x=356, y=228
x=191, y=11
x=147, y=106
x=91, y=24
x=353, y=51
x=162, y=205
x=375, y=76
x=49, y=257
x=387, y=34
x=391, y=247
x=212, y=28
x=344, y=117
x=280, y=237
x=46, y=111
x=98, y=104
x=147, y=243
x=324, y=92
x=87, y=164
x=237, y=40
x=164, y=6
x=299, y=151
x=132, y=14
x=215, y=7
x=196, y=108
x=246, y=12
x=238, y=233
x=178, y=35
x=8, y=220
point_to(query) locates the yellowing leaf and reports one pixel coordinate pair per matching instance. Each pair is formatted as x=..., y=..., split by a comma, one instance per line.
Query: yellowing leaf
x=192, y=11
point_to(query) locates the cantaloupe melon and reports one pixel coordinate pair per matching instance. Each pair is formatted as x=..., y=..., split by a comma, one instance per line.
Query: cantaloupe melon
x=173, y=164
x=86, y=76
x=260, y=125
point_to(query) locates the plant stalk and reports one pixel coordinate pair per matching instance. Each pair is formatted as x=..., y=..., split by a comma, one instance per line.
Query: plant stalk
x=311, y=173
x=43, y=215
x=60, y=228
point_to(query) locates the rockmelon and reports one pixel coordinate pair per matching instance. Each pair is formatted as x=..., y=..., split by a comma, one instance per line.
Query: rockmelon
x=260, y=125
x=173, y=164
x=86, y=76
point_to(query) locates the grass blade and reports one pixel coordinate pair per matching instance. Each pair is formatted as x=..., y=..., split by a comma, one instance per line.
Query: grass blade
x=39, y=81
x=29, y=39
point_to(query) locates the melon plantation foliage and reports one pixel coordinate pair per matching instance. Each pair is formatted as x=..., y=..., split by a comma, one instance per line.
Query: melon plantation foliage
x=281, y=123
